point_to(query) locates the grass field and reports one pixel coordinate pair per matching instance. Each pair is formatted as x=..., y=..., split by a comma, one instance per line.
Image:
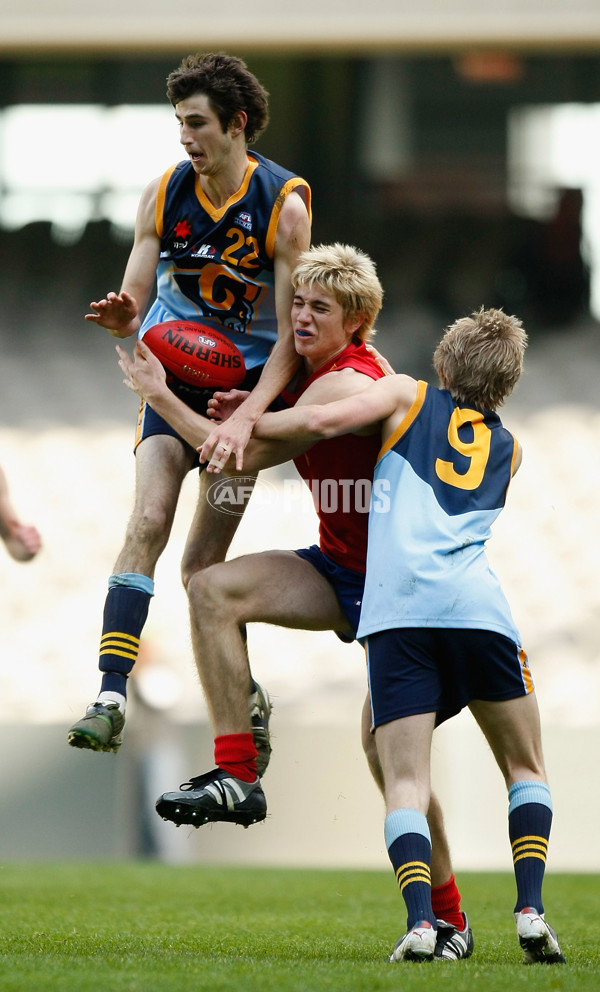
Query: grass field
x=155, y=928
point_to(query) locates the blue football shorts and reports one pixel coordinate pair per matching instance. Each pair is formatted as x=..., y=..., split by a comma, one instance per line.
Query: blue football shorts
x=348, y=586
x=150, y=423
x=440, y=670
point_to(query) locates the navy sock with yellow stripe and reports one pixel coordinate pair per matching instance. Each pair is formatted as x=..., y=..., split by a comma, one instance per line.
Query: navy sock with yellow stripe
x=529, y=823
x=408, y=842
x=125, y=613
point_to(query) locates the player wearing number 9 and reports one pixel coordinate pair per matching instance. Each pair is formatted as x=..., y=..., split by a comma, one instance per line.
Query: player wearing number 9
x=446, y=462
x=437, y=627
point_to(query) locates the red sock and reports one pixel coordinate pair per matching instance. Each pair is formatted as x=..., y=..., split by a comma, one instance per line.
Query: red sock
x=236, y=754
x=445, y=900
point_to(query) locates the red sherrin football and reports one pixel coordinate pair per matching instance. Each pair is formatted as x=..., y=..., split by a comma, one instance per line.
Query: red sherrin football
x=198, y=354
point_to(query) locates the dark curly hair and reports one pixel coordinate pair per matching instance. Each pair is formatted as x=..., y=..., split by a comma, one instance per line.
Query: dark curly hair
x=229, y=86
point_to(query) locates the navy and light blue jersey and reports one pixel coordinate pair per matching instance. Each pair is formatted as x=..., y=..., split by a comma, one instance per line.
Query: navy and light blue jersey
x=445, y=472
x=217, y=264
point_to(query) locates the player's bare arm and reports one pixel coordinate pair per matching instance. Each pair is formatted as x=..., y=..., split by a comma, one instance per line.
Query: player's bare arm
x=120, y=312
x=145, y=376
x=22, y=541
x=384, y=401
x=293, y=237
x=292, y=428
x=517, y=459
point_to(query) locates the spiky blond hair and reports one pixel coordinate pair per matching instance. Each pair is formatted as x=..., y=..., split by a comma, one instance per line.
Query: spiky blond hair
x=350, y=275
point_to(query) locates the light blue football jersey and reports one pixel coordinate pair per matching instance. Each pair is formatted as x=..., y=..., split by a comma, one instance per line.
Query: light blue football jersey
x=441, y=481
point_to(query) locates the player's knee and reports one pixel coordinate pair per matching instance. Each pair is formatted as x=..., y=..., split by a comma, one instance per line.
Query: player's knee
x=188, y=573
x=208, y=593
x=193, y=567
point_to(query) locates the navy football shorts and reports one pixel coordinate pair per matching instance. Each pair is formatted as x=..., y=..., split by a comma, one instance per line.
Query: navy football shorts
x=150, y=423
x=348, y=586
x=440, y=670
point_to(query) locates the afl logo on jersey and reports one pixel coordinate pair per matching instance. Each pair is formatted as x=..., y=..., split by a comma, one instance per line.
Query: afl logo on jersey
x=244, y=219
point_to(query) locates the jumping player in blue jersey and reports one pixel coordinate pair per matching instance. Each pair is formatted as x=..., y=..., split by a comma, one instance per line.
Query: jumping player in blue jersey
x=438, y=630
x=219, y=234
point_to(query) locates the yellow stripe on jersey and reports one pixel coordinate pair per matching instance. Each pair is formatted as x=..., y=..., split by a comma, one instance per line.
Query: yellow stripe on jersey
x=216, y=213
x=159, y=206
x=295, y=183
x=514, y=456
x=406, y=421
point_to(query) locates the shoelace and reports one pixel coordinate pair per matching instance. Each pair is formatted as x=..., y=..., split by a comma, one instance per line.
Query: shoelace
x=198, y=781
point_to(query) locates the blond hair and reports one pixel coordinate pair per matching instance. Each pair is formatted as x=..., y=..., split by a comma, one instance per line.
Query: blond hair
x=480, y=358
x=347, y=273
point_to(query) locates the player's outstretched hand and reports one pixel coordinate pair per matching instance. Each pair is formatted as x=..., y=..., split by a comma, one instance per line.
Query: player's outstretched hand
x=117, y=313
x=227, y=439
x=23, y=541
x=144, y=374
x=220, y=444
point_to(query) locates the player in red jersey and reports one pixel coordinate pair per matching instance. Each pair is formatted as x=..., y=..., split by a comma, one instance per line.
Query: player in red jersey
x=218, y=234
x=336, y=300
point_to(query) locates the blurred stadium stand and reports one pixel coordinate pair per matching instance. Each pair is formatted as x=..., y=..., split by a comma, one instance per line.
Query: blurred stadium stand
x=398, y=117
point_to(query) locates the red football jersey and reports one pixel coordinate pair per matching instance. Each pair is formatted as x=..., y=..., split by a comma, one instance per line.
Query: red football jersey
x=339, y=471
